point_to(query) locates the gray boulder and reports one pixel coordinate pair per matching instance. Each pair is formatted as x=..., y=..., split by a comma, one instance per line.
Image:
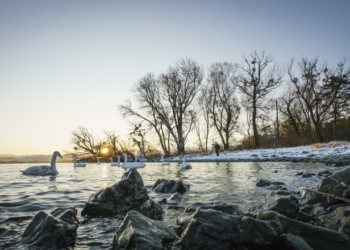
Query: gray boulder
x=292, y=242
x=287, y=206
x=316, y=237
x=338, y=220
x=186, y=216
x=139, y=232
x=211, y=229
x=337, y=184
x=46, y=231
x=128, y=194
x=308, y=175
x=265, y=183
x=170, y=186
x=218, y=206
x=176, y=197
x=152, y=210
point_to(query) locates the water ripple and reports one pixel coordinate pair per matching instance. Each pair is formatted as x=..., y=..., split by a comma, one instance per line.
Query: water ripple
x=21, y=197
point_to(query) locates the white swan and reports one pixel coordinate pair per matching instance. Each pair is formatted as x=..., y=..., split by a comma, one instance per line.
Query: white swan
x=127, y=164
x=78, y=164
x=113, y=163
x=44, y=170
x=184, y=164
x=164, y=162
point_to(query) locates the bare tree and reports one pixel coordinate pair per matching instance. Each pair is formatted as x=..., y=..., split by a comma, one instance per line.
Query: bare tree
x=111, y=139
x=203, y=121
x=278, y=137
x=221, y=101
x=315, y=98
x=138, y=138
x=288, y=108
x=85, y=142
x=248, y=123
x=339, y=86
x=259, y=77
x=145, y=113
x=170, y=99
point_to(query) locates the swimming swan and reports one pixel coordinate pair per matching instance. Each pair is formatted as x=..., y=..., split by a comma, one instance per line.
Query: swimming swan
x=164, y=162
x=113, y=163
x=184, y=164
x=78, y=164
x=44, y=170
x=127, y=164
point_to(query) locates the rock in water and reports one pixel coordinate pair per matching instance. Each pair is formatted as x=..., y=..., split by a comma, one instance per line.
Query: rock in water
x=138, y=232
x=338, y=220
x=48, y=232
x=128, y=194
x=170, y=186
x=337, y=184
x=315, y=237
x=211, y=229
x=290, y=241
x=152, y=210
x=175, y=197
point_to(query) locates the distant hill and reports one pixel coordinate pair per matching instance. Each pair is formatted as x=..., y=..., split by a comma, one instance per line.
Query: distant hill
x=7, y=158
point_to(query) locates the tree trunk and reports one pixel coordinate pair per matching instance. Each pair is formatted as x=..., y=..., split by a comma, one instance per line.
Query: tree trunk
x=277, y=128
x=255, y=128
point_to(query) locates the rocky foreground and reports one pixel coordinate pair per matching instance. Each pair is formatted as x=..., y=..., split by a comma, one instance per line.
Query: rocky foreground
x=287, y=220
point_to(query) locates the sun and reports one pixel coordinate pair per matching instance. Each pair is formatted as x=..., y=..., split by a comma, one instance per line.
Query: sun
x=104, y=150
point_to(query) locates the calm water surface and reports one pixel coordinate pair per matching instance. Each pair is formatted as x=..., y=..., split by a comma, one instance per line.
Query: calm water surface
x=21, y=196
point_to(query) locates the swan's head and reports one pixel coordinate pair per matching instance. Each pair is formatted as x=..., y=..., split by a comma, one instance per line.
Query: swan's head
x=57, y=154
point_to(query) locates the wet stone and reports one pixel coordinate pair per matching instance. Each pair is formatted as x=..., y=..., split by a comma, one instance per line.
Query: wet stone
x=170, y=186
x=46, y=231
x=128, y=194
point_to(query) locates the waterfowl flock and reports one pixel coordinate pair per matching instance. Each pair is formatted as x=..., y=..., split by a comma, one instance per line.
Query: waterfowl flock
x=52, y=170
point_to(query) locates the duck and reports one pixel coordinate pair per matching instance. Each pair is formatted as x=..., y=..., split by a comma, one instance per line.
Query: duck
x=115, y=163
x=164, y=162
x=78, y=164
x=135, y=164
x=184, y=164
x=44, y=169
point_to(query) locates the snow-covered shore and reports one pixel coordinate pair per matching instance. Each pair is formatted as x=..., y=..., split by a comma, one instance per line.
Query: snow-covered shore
x=325, y=152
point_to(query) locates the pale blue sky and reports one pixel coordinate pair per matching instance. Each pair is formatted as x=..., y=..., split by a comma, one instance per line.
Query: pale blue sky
x=70, y=63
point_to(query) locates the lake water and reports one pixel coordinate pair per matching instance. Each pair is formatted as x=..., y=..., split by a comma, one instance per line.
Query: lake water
x=232, y=183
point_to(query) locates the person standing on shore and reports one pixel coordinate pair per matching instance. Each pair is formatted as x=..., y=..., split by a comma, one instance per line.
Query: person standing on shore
x=217, y=148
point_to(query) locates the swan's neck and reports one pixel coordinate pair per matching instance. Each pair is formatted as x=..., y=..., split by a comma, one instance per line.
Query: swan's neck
x=53, y=162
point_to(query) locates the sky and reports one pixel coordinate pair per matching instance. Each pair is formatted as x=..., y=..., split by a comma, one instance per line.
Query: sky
x=65, y=64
